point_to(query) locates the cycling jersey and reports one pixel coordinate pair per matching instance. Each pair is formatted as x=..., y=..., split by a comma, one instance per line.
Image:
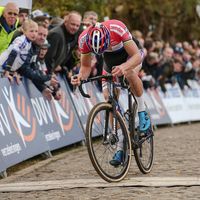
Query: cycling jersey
x=119, y=35
x=21, y=45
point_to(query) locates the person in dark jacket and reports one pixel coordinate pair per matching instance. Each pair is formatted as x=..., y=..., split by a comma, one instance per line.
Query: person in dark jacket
x=60, y=38
x=171, y=69
x=29, y=68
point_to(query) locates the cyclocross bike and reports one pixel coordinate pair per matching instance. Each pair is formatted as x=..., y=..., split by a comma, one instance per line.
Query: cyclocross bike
x=102, y=140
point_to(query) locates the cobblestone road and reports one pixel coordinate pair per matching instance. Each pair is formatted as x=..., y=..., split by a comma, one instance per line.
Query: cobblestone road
x=177, y=153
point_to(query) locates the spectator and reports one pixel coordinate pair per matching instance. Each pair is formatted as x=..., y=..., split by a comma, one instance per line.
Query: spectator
x=23, y=16
x=136, y=34
x=90, y=17
x=149, y=45
x=167, y=53
x=158, y=46
x=64, y=15
x=29, y=68
x=147, y=73
x=41, y=57
x=12, y=58
x=178, y=53
x=193, y=53
x=195, y=43
x=55, y=22
x=60, y=39
x=192, y=73
x=36, y=13
x=168, y=74
x=47, y=15
x=149, y=64
x=8, y=25
x=179, y=44
x=186, y=45
x=166, y=57
x=42, y=18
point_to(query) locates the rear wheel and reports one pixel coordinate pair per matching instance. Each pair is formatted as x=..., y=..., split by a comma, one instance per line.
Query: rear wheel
x=144, y=155
x=102, y=148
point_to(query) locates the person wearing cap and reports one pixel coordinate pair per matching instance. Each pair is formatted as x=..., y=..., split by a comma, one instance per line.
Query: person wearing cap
x=8, y=24
x=36, y=13
x=178, y=53
x=23, y=16
x=41, y=65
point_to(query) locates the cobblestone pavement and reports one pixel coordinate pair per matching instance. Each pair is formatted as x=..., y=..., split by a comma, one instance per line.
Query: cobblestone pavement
x=176, y=155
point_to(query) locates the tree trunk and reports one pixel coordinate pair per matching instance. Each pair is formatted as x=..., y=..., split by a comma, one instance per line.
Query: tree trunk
x=159, y=29
x=172, y=33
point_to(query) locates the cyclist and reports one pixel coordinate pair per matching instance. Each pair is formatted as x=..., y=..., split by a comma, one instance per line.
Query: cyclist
x=121, y=50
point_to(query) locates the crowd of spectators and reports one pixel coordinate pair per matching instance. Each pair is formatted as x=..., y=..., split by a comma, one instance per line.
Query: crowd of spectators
x=165, y=63
x=55, y=50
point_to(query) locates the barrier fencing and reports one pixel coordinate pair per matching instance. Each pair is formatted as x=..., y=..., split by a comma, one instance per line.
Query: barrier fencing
x=31, y=125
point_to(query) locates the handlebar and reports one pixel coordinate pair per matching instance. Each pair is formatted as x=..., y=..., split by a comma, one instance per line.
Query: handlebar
x=106, y=77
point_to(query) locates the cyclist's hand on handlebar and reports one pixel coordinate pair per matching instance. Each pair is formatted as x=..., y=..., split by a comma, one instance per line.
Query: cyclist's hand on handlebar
x=76, y=79
x=117, y=71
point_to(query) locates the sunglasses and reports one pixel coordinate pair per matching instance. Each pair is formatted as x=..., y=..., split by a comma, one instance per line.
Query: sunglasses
x=11, y=13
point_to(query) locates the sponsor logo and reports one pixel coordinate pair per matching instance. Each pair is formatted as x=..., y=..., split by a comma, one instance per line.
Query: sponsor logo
x=20, y=116
x=16, y=148
x=61, y=110
x=90, y=103
x=82, y=41
x=117, y=29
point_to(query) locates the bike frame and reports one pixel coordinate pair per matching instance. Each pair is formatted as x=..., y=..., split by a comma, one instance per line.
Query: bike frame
x=112, y=99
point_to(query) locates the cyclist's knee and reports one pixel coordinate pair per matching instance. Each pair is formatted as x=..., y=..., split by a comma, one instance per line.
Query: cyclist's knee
x=131, y=74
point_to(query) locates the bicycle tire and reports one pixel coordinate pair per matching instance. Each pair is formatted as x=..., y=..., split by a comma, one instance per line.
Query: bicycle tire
x=144, y=155
x=101, y=151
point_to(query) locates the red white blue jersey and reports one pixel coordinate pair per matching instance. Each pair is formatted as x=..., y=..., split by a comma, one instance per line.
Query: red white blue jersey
x=119, y=35
x=21, y=45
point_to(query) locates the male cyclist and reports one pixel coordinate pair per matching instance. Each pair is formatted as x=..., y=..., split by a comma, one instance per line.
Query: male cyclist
x=122, y=51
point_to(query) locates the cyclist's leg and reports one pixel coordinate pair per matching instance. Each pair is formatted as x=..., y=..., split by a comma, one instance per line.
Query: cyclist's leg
x=137, y=89
x=117, y=159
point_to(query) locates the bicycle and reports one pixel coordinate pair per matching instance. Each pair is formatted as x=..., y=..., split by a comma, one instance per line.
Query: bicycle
x=102, y=140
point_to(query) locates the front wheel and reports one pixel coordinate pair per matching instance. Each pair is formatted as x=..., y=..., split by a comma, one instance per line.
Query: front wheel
x=102, y=143
x=144, y=155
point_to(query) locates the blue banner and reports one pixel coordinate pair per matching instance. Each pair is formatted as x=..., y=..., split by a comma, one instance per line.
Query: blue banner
x=57, y=118
x=20, y=134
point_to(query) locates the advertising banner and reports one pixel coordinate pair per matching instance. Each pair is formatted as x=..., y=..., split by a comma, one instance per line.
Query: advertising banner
x=21, y=136
x=159, y=114
x=84, y=105
x=57, y=118
x=174, y=103
x=192, y=100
